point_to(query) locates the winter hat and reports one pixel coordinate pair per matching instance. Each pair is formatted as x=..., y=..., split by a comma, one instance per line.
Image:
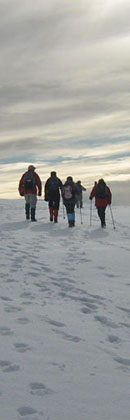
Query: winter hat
x=31, y=168
x=53, y=173
x=101, y=181
x=69, y=178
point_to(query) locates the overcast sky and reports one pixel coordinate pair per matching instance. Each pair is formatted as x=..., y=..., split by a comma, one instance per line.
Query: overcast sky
x=64, y=90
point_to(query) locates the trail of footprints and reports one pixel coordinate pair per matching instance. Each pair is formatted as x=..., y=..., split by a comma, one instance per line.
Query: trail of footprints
x=88, y=304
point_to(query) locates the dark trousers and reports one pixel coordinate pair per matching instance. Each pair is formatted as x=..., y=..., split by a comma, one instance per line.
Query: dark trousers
x=101, y=214
x=70, y=208
x=54, y=203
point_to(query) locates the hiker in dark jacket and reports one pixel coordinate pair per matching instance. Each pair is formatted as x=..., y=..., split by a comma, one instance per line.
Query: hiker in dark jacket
x=52, y=189
x=30, y=186
x=79, y=196
x=69, y=192
x=103, y=197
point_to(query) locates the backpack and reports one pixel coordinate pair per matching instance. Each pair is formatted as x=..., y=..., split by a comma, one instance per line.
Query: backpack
x=78, y=188
x=68, y=192
x=29, y=181
x=101, y=190
x=53, y=185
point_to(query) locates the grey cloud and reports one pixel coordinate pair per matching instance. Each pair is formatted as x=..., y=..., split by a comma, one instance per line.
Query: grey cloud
x=43, y=30
x=62, y=103
x=117, y=21
x=64, y=75
x=83, y=110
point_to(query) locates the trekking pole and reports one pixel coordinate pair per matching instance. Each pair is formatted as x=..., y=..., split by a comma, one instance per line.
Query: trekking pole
x=91, y=213
x=63, y=211
x=114, y=227
x=81, y=216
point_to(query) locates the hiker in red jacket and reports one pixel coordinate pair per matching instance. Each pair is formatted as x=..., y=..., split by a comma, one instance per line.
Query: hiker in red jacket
x=103, y=197
x=29, y=186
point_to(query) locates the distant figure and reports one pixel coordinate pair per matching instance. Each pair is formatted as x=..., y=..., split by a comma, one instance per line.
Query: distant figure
x=79, y=196
x=52, y=189
x=103, y=197
x=69, y=199
x=29, y=186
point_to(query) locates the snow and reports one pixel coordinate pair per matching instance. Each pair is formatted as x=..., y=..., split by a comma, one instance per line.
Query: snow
x=65, y=315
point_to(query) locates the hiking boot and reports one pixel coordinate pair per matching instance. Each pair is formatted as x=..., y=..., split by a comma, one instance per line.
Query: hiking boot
x=55, y=219
x=103, y=225
x=27, y=216
x=51, y=217
x=33, y=215
x=71, y=223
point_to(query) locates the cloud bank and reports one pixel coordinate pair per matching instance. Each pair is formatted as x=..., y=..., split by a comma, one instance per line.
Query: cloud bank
x=64, y=90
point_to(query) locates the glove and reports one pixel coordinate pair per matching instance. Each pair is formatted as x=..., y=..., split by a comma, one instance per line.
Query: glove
x=21, y=192
x=90, y=198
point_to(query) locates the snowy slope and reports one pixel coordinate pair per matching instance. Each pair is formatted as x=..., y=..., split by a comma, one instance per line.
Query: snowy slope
x=65, y=316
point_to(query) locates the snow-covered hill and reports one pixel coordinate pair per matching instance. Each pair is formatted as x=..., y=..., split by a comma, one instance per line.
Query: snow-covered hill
x=65, y=315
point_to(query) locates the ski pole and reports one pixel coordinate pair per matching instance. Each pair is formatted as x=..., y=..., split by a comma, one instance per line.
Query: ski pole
x=81, y=216
x=91, y=213
x=63, y=211
x=112, y=217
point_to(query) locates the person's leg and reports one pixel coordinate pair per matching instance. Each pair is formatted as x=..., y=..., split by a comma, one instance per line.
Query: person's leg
x=33, y=202
x=77, y=201
x=27, y=206
x=81, y=201
x=70, y=215
x=55, y=215
x=101, y=214
x=81, y=204
x=50, y=205
x=103, y=217
x=56, y=208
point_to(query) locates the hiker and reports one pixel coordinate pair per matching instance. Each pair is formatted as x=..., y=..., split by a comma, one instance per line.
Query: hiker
x=103, y=197
x=79, y=196
x=69, y=199
x=52, y=189
x=30, y=186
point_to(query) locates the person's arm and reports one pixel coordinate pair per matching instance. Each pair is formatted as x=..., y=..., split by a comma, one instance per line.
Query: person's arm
x=46, y=191
x=39, y=184
x=60, y=184
x=109, y=196
x=92, y=194
x=83, y=188
x=21, y=186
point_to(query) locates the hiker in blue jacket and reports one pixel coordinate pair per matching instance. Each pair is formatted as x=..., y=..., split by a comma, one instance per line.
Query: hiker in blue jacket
x=69, y=199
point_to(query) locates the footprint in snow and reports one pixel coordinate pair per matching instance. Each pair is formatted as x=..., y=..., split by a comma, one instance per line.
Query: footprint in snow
x=39, y=389
x=26, y=411
x=7, y=366
x=5, y=331
x=22, y=348
x=23, y=321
